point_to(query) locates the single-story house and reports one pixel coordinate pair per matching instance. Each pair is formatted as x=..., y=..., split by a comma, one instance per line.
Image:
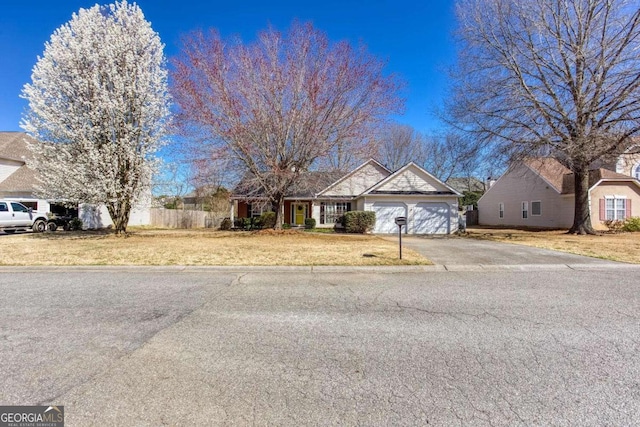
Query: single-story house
x=539, y=192
x=18, y=182
x=430, y=206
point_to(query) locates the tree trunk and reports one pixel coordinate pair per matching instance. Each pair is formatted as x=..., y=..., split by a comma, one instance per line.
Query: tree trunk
x=582, y=214
x=119, y=212
x=278, y=203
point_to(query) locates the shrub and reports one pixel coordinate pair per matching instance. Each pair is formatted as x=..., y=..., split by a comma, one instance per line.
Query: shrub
x=75, y=224
x=359, y=221
x=286, y=226
x=632, y=224
x=309, y=223
x=613, y=225
x=267, y=220
x=225, y=224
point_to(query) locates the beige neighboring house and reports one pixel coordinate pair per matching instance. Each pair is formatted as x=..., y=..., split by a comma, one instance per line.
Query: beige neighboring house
x=18, y=182
x=539, y=192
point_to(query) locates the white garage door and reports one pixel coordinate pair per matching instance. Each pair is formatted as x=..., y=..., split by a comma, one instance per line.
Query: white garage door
x=431, y=218
x=386, y=213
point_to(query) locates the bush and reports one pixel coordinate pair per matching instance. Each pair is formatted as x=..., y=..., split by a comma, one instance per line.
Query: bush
x=359, y=221
x=309, y=223
x=613, y=225
x=267, y=220
x=225, y=224
x=286, y=226
x=75, y=224
x=632, y=224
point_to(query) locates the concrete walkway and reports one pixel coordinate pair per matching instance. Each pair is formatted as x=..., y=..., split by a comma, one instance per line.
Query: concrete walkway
x=451, y=251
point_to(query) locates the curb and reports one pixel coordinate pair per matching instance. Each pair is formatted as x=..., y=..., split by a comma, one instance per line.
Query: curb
x=324, y=269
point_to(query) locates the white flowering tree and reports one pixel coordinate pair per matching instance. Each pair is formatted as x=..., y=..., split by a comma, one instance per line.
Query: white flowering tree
x=98, y=107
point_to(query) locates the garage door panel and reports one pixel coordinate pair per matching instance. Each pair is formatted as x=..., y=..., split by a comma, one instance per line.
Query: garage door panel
x=386, y=214
x=431, y=218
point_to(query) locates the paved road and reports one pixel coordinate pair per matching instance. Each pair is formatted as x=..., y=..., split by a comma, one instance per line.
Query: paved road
x=261, y=347
x=453, y=251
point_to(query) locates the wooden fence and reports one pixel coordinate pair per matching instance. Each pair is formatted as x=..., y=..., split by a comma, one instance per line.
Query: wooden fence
x=178, y=218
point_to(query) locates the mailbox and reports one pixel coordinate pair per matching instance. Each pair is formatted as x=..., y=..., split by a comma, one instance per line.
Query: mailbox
x=401, y=220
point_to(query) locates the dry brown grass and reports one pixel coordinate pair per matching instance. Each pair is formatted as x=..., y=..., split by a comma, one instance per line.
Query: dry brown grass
x=202, y=247
x=624, y=247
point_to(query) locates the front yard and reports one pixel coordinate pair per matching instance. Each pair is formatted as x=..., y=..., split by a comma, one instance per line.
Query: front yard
x=624, y=247
x=202, y=247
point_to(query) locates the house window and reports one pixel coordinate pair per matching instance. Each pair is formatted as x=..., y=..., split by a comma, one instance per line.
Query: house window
x=616, y=209
x=257, y=209
x=525, y=210
x=501, y=210
x=636, y=171
x=331, y=211
x=536, y=208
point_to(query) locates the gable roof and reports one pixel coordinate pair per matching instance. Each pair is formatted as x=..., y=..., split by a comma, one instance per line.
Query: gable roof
x=345, y=177
x=462, y=184
x=13, y=146
x=549, y=169
x=412, y=168
x=563, y=180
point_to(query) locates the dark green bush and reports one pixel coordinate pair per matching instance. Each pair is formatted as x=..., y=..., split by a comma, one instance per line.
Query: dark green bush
x=286, y=226
x=309, y=223
x=75, y=224
x=359, y=221
x=267, y=220
x=632, y=224
x=225, y=224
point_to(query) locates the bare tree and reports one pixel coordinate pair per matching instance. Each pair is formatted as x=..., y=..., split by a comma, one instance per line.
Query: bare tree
x=557, y=76
x=281, y=104
x=450, y=155
x=399, y=145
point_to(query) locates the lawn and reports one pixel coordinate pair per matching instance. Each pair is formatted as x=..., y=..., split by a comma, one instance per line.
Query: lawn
x=202, y=247
x=624, y=247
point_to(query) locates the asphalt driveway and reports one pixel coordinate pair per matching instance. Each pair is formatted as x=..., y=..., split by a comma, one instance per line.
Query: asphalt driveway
x=458, y=251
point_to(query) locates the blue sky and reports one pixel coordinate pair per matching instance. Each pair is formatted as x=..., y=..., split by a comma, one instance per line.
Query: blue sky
x=413, y=36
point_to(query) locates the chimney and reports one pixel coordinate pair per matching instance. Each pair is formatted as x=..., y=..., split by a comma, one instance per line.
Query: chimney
x=490, y=182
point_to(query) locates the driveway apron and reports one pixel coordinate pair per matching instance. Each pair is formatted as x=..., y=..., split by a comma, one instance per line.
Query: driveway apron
x=461, y=251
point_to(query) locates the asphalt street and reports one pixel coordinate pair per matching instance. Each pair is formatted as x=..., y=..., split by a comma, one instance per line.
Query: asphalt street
x=155, y=346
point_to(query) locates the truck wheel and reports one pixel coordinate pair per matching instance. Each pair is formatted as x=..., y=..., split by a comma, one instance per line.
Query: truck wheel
x=39, y=226
x=52, y=226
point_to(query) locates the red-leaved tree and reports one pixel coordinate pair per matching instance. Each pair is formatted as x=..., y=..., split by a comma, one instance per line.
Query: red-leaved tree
x=282, y=104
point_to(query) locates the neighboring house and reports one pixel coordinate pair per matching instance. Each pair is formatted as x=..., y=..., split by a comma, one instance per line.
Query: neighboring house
x=462, y=184
x=18, y=182
x=539, y=192
x=429, y=204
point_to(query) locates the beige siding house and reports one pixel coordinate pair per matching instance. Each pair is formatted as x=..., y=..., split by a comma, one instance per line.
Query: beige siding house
x=539, y=193
x=429, y=205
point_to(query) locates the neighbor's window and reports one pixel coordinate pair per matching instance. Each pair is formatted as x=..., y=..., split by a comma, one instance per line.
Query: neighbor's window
x=501, y=210
x=525, y=210
x=636, y=171
x=331, y=211
x=536, y=208
x=616, y=209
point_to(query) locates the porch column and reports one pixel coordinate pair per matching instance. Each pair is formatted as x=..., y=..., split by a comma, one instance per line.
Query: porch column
x=231, y=212
x=284, y=220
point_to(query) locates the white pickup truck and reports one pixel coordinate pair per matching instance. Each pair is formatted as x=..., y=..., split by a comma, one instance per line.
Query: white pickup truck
x=16, y=216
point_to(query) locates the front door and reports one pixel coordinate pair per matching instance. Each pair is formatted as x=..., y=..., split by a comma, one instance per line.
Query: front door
x=298, y=213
